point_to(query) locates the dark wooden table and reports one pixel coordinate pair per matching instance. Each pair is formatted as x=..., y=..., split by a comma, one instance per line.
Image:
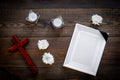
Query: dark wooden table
x=12, y=22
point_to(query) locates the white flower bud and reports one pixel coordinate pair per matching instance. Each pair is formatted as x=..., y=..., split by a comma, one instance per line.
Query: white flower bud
x=48, y=58
x=97, y=19
x=43, y=44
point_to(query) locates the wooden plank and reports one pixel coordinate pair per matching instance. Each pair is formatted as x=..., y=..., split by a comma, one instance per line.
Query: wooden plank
x=56, y=48
x=13, y=21
x=59, y=4
x=15, y=59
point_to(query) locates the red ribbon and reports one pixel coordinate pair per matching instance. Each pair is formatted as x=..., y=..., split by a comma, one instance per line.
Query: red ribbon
x=18, y=46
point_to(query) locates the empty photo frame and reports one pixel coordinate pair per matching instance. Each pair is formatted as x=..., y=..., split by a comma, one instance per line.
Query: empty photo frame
x=85, y=49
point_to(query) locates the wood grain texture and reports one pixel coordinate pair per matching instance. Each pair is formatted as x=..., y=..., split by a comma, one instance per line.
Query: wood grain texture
x=13, y=66
x=14, y=20
x=59, y=4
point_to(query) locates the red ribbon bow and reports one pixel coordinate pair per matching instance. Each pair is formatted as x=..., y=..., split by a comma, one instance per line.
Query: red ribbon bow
x=18, y=45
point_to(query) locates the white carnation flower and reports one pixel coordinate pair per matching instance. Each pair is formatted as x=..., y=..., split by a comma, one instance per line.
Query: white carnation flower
x=48, y=58
x=97, y=19
x=43, y=44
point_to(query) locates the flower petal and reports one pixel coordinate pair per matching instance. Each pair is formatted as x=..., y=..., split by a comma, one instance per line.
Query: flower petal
x=48, y=58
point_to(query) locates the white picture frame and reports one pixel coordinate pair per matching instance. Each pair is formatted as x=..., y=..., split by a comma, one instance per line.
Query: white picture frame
x=85, y=50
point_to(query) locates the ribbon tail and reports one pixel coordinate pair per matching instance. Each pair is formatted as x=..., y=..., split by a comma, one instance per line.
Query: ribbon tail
x=28, y=60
